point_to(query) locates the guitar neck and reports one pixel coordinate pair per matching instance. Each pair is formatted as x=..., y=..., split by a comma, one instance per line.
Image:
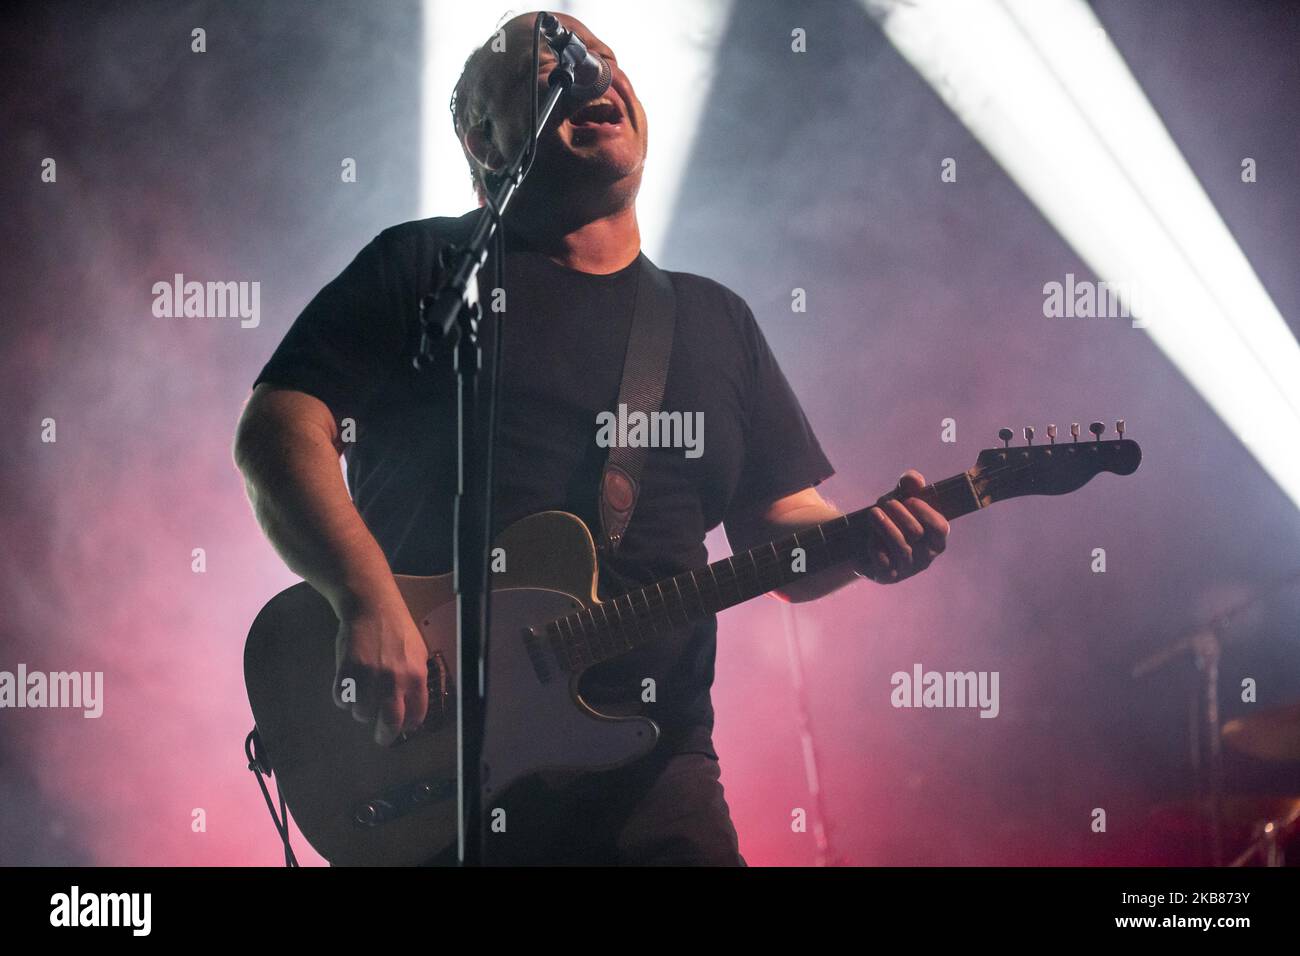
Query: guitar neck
x=613, y=627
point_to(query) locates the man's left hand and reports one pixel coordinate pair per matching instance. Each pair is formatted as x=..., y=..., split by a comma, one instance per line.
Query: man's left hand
x=906, y=534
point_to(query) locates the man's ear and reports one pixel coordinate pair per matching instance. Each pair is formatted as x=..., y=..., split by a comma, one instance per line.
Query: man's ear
x=480, y=146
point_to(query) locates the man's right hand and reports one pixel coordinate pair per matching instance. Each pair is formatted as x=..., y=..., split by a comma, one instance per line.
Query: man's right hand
x=380, y=651
x=288, y=446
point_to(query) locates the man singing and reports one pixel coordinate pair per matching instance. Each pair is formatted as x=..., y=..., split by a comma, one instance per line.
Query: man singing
x=571, y=264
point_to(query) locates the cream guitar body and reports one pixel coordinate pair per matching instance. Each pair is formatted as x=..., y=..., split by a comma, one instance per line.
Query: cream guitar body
x=361, y=804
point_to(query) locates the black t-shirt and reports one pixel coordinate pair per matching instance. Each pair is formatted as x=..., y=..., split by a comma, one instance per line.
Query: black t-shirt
x=564, y=343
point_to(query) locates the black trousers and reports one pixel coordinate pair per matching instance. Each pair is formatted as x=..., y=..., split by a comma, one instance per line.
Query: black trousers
x=665, y=810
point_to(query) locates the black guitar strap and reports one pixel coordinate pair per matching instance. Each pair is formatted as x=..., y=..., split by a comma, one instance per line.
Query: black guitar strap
x=645, y=370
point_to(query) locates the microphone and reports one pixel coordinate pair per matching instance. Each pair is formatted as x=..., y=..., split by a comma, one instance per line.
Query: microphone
x=591, y=74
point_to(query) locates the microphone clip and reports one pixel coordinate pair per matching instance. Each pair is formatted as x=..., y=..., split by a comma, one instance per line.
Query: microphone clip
x=584, y=75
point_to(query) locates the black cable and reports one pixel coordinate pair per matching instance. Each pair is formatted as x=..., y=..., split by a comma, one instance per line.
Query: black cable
x=499, y=247
x=530, y=146
x=261, y=767
x=537, y=67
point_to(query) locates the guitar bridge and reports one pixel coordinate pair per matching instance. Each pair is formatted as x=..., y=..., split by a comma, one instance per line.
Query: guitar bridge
x=439, y=685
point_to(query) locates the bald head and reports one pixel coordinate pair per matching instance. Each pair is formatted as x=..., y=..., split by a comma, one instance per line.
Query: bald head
x=490, y=112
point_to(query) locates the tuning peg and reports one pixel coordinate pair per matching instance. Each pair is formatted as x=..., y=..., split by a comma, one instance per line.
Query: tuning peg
x=1074, y=430
x=1097, y=428
x=1119, y=427
x=1006, y=435
x=1051, y=433
x=1029, y=435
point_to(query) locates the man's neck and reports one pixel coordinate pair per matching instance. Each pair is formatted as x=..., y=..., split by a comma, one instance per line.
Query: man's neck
x=601, y=246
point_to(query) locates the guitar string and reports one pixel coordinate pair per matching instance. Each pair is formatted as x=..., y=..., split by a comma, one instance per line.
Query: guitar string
x=1000, y=472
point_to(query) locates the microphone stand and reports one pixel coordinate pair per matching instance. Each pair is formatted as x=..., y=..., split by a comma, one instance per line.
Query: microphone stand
x=1206, y=648
x=449, y=320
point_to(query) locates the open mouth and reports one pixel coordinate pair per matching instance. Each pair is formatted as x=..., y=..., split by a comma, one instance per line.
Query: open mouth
x=599, y=113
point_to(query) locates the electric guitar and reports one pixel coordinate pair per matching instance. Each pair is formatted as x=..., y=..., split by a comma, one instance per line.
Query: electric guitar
x=361, y=804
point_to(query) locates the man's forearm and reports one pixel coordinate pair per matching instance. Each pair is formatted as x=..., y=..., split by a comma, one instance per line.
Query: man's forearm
x=817, y=584
x=905, y=535
x=301, y=501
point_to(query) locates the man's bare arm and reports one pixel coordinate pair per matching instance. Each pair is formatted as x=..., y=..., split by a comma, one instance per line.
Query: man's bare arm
x=287, y=447
x=906, y=536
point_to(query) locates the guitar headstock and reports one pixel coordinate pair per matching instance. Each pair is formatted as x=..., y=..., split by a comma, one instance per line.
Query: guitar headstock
x=1051, y=469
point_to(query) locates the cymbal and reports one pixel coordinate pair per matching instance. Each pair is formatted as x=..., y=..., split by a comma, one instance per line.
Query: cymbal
x=1273, y=734
x=1239, y=813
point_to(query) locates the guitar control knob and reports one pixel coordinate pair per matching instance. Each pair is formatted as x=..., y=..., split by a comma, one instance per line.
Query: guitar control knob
x=1097, y=428
x=1006, y=434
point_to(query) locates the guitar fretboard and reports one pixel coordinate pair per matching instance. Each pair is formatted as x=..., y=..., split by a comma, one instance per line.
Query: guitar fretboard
x=606, y=630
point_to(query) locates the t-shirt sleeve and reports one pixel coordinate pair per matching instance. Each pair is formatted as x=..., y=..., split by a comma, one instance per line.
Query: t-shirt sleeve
x=782, y=454
x=352, y=336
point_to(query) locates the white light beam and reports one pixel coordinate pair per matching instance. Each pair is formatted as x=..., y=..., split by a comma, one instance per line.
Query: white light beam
x=1039, y=83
